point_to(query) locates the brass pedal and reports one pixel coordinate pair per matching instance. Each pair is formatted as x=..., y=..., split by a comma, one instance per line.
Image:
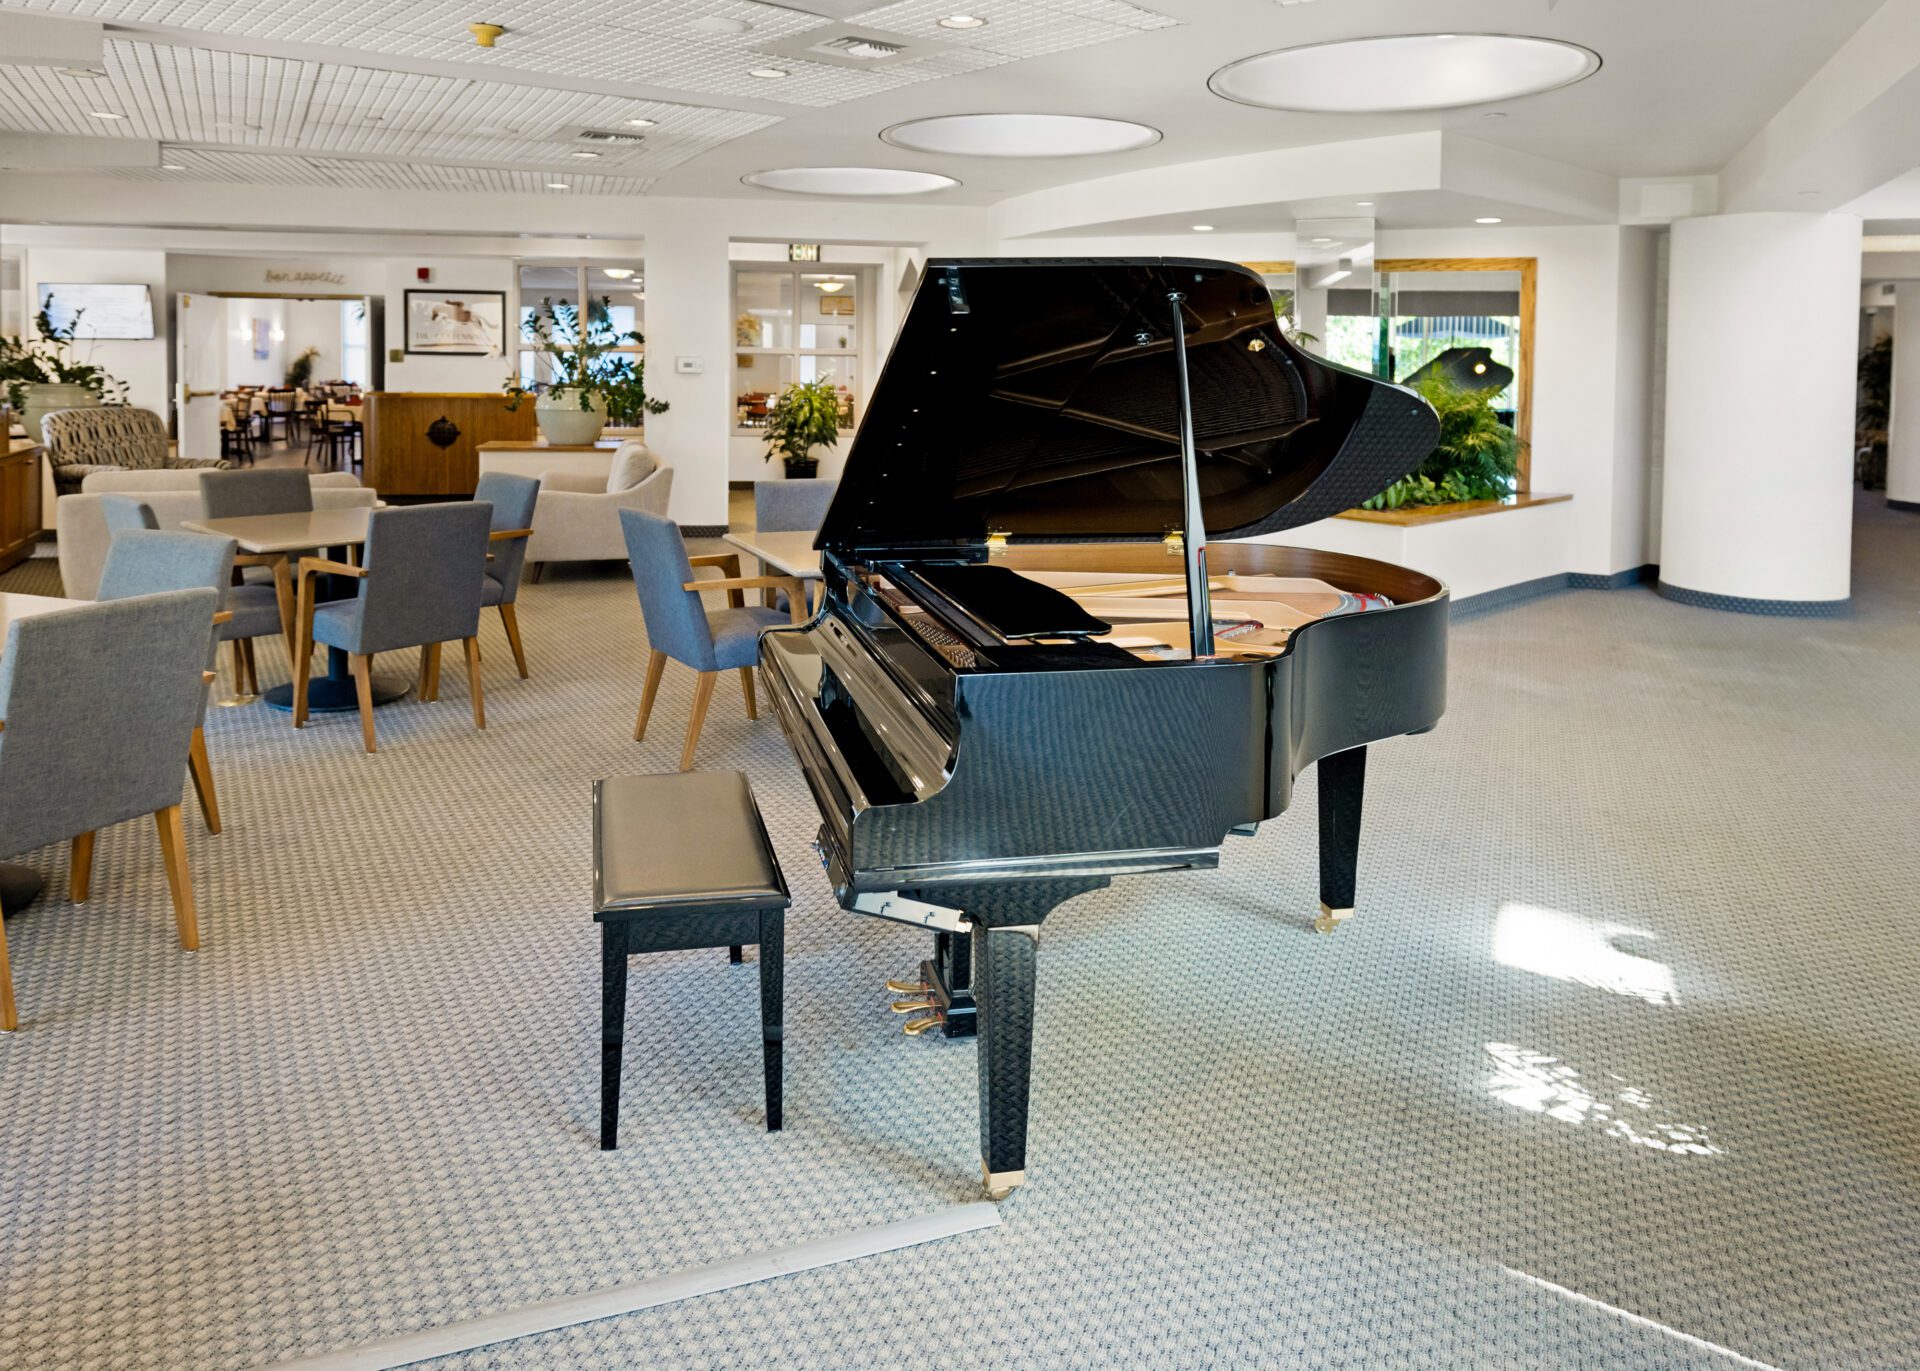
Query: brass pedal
x=911, y=1006
x=913, y=1028
x=907, y=987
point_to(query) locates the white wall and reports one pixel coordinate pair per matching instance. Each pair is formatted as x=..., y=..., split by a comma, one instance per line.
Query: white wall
x=143, y=364
x=315, y=324
x=1903, y=422
x=455, y=375
x=243, y=367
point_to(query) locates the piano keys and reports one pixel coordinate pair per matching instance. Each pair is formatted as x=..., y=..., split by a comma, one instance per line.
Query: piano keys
x=1032, y=672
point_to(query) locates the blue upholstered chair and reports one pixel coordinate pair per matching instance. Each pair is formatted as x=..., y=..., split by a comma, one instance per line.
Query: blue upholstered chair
x=791, y=506
x=680, y=626
x=422, y=575
x=127, y=514
x=144, y=562
x=99, y=705
x=512, y=498
x=238, y=494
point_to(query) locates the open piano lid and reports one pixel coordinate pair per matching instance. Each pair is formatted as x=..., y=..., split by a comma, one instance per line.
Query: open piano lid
x=1038, y=398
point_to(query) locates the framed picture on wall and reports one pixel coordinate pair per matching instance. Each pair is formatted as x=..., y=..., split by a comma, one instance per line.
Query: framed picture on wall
x=262, y=342
x=456, y=323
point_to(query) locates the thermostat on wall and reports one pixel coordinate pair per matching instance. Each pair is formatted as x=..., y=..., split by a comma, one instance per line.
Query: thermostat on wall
x=689, y=366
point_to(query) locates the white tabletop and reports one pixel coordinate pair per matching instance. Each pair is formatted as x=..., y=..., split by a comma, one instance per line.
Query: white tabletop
x=289, y=532
x=789, y=554
x=14, y=605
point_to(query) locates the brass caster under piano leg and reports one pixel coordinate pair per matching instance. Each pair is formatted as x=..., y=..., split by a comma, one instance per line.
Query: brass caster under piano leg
x=1001, y=1184
x=1331, y=918
x=913, y=1028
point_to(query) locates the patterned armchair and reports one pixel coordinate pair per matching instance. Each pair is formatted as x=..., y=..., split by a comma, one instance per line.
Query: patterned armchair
x=107, y=438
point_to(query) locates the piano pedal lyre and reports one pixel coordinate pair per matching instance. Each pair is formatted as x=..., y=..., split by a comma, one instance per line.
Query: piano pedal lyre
x=907, y=987
x=913, y=1028
x=911, y=1006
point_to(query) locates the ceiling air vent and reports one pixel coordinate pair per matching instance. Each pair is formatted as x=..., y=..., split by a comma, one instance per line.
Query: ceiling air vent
x=841, y=45
x=608, y=138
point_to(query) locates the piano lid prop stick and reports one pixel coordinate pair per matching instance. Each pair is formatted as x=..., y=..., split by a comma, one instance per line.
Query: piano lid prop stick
x=1194, y=533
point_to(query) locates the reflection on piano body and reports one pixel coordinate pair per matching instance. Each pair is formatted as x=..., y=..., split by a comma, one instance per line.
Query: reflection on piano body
x=1000, y=704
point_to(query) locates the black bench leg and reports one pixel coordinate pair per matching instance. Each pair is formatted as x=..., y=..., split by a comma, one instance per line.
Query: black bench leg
x=773, y=969
x=1343, y=781
x=1003, y=967
x=613, y=1028
x=733, y=954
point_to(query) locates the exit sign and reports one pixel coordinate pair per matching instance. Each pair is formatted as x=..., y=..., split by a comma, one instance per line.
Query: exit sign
x=803, y=252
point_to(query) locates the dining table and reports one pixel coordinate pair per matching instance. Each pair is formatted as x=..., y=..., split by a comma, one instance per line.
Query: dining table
x=291, y=535
x=20, y=886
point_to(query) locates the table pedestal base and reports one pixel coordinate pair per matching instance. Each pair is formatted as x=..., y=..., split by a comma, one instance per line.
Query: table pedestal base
x=20, y=886
x=334, y=692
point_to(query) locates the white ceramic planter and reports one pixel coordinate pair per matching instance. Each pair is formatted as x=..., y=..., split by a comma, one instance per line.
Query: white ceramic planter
x=43, y=398
x=564, y=424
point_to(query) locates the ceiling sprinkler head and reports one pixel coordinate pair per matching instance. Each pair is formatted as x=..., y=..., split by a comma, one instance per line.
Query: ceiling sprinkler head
x=484, y=33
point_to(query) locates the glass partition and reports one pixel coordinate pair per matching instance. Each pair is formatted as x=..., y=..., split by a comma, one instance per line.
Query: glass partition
x=795, y=324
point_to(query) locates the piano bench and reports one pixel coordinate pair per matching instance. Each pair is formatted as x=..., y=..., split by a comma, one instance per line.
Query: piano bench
x=682, y=861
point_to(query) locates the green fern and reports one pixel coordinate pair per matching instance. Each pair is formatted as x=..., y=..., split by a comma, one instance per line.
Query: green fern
x=1475, y=458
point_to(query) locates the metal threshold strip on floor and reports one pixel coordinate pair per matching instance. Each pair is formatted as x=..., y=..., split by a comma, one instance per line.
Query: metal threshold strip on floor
x=568, y=1310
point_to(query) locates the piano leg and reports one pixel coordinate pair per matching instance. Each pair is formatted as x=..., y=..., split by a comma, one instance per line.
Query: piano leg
x=1343, y=780
x=1004, y=961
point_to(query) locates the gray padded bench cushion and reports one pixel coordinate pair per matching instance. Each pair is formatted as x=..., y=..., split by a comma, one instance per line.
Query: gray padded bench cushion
x=679, y=843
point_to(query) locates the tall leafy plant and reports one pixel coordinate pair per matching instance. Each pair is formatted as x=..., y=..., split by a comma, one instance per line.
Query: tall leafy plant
x=1475, y=458
x=806, y=416
x=587, y=362
x=1873, y=413
x=49, y=359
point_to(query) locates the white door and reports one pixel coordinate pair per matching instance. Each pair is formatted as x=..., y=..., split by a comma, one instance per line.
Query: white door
x=200, y=327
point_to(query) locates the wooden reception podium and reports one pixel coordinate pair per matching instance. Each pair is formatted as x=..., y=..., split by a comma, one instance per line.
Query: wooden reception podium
x=426, y=443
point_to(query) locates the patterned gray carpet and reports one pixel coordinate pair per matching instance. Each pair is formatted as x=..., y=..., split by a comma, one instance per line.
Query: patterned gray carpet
x=1618, y=1065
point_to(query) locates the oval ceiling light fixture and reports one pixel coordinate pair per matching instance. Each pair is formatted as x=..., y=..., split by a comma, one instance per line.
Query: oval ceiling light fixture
x=768, y=74
x=717, y=23
x=962, y=21
x=1488, y=219
x=617, y=273
x=104, y=114
x=1415, y=71
x=558, y=185
x=1020, y=135
x=1203, y=228
x=848, y=181
x=641, y=123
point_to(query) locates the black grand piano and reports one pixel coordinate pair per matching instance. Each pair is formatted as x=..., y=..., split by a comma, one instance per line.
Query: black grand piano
x=1031, y=673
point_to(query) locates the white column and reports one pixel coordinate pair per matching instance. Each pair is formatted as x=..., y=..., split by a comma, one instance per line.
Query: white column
x=1757, y=498
x=1903, y=413
x=689, y=316
x=1310, y=316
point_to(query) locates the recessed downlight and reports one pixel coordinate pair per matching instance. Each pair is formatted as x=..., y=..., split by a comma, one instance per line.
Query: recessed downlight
x=1416, y=71
x=768, y=74
x=584, y=155
x=716, y=23
x=641, y=123
x=1488, y=219
x=104, y=114
x=617, y=273
x=963, y=21
x=171, y=166
x=848, y=181
x=1020, y=135
x=558, y=185
x=1203, y=228
x=1363, y=204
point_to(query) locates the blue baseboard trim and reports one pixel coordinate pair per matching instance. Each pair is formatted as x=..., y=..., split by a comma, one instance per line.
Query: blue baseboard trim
x=1619, y=580
x=1909, y=505
x=1740, y=604
x=1507, y=595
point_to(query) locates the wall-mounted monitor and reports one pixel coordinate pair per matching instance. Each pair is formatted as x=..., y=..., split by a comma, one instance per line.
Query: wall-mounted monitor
x=104, y=311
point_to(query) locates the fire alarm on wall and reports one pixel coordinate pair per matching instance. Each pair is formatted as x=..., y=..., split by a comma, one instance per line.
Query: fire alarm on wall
x=423, y=273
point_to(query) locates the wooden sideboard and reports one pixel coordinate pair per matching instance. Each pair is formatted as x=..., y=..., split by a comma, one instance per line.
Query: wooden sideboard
x=19, y=501
x=426, y=443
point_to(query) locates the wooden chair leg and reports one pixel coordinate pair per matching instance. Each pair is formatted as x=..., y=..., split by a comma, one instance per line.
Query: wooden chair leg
x=702, y=694
x=80, y=867
x=656, y=665
x=539, y=569
x=428, y=653
x=253, y=674
x=200, y=767
x=513, y=638
x=9, y=1012
x=173, y=849
x=239, y=654
x=283, y=592
x=746, y=688
x=473, y=683
x=302, y=652
x=361, y=665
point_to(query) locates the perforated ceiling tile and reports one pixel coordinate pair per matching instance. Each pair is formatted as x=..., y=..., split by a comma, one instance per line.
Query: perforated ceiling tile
x=269, y=169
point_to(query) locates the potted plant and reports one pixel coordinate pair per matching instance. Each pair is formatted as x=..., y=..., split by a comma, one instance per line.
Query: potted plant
x=1475, y=458
x=42, y=374
x=300, y=370
x=1873, y=414
x=806, y=416
x=591, y=379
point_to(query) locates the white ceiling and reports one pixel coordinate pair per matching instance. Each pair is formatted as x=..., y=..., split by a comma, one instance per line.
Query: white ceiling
x=394, y=93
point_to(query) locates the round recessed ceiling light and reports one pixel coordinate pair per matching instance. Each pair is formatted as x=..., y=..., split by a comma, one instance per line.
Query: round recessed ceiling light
x=83, y=73
x=641, y=123
x=617, y=273
x=962, y=21
x=583, y=155
x=558, y=185
x=767, y=74
x=171, y=166
x=848, y=181
x=1020, y=135
x=1489, y=219
x=714, y=23
x=1323, y=241
x=1363, y=204
x=1494, y=114
x=1203, y=228
x=105, y=114
x=1417, y=71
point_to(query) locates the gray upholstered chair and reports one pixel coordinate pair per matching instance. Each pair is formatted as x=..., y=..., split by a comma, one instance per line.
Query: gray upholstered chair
x=680, y=626
x=67, y=770
x=512, y=498
x=107, y=438
x=127, y=514
x=791, y=506
x=144, y=562
x=239, y=494
x=421, y=576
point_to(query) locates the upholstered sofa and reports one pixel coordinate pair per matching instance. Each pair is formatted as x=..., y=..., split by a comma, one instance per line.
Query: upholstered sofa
x=81, y=442
x=577, y=517
x=80, y=525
